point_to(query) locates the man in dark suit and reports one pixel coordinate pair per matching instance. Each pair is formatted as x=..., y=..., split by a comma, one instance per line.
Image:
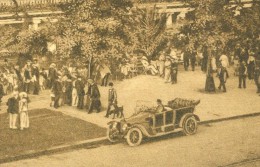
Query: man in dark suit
x=81, y=93
x=186, y=58
x=52, y=75
x=94, y=95
x=57, y=90
x=27, y=77
x=13, y=110
x=35, y=77
x=174, y=69
x=257, y=79
x=68, y=92
x=112, y=98
x=222, y=74
x=1, y=92
x=242, y=70
x=192, y=58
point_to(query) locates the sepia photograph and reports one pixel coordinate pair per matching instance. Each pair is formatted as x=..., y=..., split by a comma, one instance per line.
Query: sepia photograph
x=129, y=83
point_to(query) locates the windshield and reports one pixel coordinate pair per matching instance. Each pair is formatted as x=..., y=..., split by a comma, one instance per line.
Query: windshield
x=144, y=106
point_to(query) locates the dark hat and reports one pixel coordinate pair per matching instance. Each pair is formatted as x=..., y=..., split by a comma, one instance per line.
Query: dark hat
x=159, y=100
x=110, y=84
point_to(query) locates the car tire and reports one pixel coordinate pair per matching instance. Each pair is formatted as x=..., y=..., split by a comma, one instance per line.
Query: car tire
x=134, y=137
x=109, y=137
x=190, y=125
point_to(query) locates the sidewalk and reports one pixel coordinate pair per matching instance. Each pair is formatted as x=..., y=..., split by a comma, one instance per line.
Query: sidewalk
x=149, y=88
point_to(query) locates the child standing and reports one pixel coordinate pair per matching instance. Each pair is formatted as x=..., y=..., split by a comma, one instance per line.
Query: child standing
x=23, y=111
x=13, y=110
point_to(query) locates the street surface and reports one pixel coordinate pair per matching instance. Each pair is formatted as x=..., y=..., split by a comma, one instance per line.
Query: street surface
x=230, y=143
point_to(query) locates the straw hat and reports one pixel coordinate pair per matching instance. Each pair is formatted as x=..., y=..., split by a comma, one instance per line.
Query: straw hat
x=15, y=93
x=23, y=94
x=53, y=65
x=90, y=81
x=144, y=58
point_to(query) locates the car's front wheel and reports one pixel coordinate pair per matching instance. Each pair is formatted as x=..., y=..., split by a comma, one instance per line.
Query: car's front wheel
x=111, y=135
x=134, y=137
x=190, y=125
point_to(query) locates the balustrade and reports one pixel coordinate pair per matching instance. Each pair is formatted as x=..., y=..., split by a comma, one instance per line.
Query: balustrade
x=30, y=2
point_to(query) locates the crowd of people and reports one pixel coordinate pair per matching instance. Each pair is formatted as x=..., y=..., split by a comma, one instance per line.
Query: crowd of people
x=246, y=62
x=68, y=84
x=78, y=85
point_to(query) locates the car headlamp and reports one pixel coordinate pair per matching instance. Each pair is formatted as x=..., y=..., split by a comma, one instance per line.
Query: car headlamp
x=125, y=126
x=114, y=125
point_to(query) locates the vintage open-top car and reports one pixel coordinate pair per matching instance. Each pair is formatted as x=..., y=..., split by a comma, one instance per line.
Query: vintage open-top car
x=177, y=116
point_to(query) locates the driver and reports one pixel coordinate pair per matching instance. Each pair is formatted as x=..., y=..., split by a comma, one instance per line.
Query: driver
x=160, y=106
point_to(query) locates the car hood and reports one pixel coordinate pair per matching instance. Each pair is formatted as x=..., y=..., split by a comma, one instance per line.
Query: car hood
x=138, y=118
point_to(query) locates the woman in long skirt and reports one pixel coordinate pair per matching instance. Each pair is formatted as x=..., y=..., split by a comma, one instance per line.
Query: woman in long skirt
x=168, y=70
x=23, y=111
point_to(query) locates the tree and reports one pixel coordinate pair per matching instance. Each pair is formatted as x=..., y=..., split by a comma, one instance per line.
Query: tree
x=93, y=28
x=147, y=31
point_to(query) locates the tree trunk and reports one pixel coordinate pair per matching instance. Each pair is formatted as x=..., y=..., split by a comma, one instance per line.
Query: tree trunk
x=89, y=67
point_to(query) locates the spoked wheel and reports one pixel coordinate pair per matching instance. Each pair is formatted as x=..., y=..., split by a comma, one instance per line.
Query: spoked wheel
x=190, y=126
x=134, y=137
x=111, y=135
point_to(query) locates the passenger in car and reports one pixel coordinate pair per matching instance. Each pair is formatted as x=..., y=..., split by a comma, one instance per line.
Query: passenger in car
x=160, y=107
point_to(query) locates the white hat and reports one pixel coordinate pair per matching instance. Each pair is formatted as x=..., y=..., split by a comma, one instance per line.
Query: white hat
x=174, y=57
x=23, y=94
x=144, y=58
x=90, y=81
x=15, y=93
x=53, y=65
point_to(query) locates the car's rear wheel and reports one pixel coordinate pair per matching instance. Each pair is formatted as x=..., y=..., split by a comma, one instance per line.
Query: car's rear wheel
x=111, y=135
x=190, y=125
x=134, y=137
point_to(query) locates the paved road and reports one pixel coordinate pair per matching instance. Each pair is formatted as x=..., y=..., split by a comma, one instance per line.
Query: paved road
x=229, y=143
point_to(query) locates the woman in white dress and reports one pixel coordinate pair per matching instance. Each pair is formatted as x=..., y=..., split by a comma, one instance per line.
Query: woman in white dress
x=74, y=95
x=167, y=71
x=23, y=111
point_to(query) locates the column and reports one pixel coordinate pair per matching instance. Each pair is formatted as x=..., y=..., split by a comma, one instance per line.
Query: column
x=182, y=15
x=35, y=24
x=169, y=21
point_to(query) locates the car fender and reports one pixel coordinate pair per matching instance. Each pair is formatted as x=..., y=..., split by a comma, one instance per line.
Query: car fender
x=111, y=122
x=186, y=116
x=196, y=117
x=142, y=128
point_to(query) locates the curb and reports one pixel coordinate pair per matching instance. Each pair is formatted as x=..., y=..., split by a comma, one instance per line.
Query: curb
x=230, y=118
x=58, y=149
x=100, y=141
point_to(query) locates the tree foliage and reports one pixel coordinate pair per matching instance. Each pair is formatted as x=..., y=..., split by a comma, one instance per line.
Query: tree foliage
x=93, y=28
x=221, y=23
x=147, y=31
